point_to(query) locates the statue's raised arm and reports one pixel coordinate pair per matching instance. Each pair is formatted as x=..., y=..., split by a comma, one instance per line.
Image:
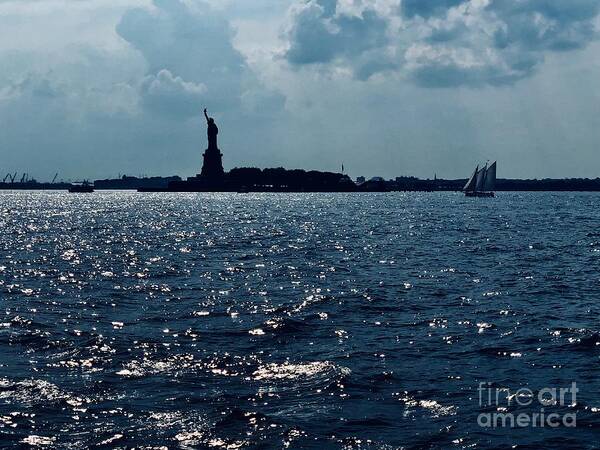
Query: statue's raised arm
x=206, y=115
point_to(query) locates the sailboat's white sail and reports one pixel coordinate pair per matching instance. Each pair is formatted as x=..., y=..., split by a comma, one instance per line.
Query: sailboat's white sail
x=470, y=186
x=482, y=183
x=480, y=179
x=489, y=183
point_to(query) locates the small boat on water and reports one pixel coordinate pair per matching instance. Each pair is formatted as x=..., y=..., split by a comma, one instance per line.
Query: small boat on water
x=482, y=183
x=81, y=188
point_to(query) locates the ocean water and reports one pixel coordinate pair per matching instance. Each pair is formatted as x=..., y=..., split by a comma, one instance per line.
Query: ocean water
x=351, y=321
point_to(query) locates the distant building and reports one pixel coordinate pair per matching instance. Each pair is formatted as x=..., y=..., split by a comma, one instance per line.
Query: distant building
x=360, y=180
x=133, y=183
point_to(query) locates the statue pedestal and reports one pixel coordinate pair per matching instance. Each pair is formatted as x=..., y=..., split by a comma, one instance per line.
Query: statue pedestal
x=213, y=164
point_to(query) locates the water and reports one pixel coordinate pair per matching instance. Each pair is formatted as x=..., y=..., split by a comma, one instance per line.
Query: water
x=295, y=320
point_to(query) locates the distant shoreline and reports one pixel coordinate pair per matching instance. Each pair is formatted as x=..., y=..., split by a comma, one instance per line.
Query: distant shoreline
x=400, y=184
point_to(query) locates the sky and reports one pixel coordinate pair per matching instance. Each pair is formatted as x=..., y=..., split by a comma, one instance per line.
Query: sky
x=101, y=88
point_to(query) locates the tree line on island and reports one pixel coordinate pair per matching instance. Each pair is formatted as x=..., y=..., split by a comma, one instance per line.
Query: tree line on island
x=279, y=179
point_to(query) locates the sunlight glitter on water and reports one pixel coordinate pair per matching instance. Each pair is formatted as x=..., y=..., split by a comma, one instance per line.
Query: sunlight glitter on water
x=296, y=321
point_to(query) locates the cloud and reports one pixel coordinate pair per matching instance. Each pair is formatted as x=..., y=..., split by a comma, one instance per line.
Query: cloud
x=322, y=32
x=34, y=88
x=545, y=24
x=190, y=44
x=311, y=36
x=194, y=44
x=498, y=42
x=171, y=95
x=438, y=43
x=428, y=8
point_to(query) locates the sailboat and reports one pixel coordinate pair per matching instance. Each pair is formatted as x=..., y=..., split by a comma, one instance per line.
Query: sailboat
x=482, y=183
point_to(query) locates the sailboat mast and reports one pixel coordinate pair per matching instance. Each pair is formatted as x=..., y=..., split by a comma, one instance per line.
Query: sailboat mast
x=470, y=186
x=480, y=179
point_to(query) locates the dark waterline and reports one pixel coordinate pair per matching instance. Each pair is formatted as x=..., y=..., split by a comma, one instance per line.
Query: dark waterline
x=299, y=320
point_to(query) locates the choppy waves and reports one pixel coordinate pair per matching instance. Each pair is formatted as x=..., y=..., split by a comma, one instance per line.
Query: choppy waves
x=292, y=321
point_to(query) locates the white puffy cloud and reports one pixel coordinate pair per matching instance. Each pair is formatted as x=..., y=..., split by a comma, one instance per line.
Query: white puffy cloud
x=171, y=95
x=350, y=35
x=438, y=43
x=193, y=43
